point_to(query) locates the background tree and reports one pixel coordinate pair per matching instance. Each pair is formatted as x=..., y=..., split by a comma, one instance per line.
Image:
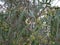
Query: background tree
x=29, y=22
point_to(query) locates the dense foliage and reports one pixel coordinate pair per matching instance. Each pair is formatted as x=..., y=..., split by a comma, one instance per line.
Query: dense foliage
x=26, y=22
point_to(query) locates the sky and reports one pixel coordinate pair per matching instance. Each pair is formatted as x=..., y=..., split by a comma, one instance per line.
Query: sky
x=53, y=3
x=2, y=3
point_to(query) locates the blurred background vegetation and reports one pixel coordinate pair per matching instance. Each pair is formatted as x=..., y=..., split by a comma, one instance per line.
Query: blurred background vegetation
x=29, y=22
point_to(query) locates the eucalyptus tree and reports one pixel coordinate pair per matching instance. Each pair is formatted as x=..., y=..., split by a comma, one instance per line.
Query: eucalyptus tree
x=29, y=22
